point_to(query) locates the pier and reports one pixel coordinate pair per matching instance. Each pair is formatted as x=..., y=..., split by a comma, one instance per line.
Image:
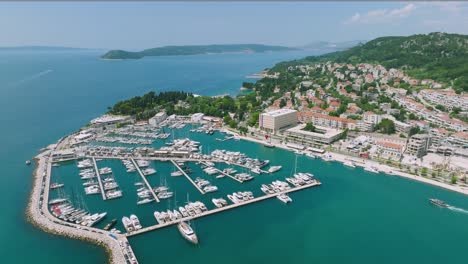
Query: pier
x=222, y=209
x=186, y=176
x=103, y=193
x=223, y=173
x=145, y=181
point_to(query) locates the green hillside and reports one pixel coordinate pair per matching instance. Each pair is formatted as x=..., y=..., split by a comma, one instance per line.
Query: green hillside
x=439, y=56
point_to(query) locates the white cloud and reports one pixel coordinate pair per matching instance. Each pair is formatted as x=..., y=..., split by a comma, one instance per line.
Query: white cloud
x=382, y=15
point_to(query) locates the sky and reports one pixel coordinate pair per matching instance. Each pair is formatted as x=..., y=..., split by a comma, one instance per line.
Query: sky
x=140, y=25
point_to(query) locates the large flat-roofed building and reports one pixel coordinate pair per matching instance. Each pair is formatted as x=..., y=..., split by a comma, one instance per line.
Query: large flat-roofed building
x=418, y=145
x=157, y=119
x=277, y=119
x=321, y=136
x=108, y=121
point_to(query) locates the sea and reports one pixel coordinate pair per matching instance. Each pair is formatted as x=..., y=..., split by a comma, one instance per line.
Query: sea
x=355, y=216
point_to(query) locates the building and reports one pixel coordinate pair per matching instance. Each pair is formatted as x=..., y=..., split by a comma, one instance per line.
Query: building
x=277, y=119
x=418, y=145
x=111, y=121
x=157, y=119
x=197, y=117
x=327, y=121
x=65, y=154
x=389, y=150
x=321, y=136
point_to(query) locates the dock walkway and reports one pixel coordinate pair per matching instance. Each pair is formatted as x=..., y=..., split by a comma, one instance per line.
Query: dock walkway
x=223, y=173
x=145, y=181
x=188, y=177
x=218, y=210
x=103, y=192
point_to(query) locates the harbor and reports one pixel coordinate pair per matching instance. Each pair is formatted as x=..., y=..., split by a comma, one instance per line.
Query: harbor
x=185, y=176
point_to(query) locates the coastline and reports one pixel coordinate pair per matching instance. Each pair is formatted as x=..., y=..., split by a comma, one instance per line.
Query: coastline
x=40, y=217
x=387, y=170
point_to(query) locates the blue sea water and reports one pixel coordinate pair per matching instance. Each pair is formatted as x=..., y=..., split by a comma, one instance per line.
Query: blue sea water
x=354, y=216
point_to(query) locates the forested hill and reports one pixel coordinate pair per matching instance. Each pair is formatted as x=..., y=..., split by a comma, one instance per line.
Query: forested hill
x=439, y=56
x=192, y=50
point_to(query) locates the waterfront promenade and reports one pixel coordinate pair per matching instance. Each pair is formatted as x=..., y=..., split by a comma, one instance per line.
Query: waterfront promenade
x=222, y=209
x=38, y=213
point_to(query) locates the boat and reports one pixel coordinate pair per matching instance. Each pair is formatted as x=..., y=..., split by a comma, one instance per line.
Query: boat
x=127, y=223
x=135, y=222
x=187, y=232
x=145, y=201
x=268, y=145
x=28, y=162
x=349, y=164
x=273, y=169
x=327, y=157
x=372, y=169
x=210, y=188
x=56, y=185
x=284, y=198
x=438, y=202
x=57, y=201
x=176, y=173
x=256, y=170
x=310, y=155
x=110, y=225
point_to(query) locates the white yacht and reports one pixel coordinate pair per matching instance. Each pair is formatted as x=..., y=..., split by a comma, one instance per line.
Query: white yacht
x=284, y=198
x=273, y=169
x=135, y=222
x=176, y=173
x=127, y=223
x=349, y=164
x=187, y=232
x=372, y=169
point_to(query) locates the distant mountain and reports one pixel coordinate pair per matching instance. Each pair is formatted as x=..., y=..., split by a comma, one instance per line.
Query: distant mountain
x=193, y=50
x=325, y=45
x=439, y=56
x=40, y=48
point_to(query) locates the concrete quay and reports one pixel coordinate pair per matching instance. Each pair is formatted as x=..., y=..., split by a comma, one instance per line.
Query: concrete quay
x=98, y=175
x=222, y=209
x=188, y=177
x=145, y=181
x=38, y=213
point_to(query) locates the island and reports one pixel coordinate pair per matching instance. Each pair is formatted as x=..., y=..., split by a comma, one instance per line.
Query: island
x=193, y=50
x=392, y=106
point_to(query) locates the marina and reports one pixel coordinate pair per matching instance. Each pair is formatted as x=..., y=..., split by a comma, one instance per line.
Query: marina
x=218, y=210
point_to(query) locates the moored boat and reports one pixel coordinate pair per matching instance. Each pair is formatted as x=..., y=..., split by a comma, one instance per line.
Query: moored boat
x=187, y=232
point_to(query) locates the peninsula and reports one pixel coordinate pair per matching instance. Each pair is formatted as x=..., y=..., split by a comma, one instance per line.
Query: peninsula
x=193, y=50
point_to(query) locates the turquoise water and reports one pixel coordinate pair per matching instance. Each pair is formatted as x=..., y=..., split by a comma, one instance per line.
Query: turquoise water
x=47, y=94
x=354, y=216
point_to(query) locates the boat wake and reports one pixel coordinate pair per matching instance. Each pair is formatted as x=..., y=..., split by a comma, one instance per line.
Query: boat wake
x=32, y=77
x=456, y=209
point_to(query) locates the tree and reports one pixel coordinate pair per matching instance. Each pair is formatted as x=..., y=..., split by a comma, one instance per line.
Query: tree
x=413, y=131
x=309, y=127
x=424, y=171
x=386, y=126
x=453, y=180
x=282, y=103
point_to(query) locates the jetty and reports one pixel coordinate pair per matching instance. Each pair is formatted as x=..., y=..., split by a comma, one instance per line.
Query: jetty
x=222, y=209
x=188, y=177
x=103, y=193
x=39, y=214
x=223, y=173
x=145, y=180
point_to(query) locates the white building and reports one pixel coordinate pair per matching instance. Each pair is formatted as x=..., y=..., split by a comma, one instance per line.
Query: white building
x=321, y=136
x=277, y=119
x=157, y=118
x=197, y=117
